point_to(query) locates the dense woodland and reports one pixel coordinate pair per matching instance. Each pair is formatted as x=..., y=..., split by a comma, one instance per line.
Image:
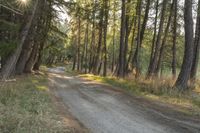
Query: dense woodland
x=141, y=38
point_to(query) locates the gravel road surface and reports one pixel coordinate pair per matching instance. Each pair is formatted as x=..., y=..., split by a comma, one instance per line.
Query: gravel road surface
x=104, y=109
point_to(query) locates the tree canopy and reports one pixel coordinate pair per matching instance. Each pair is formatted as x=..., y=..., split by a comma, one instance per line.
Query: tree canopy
x=140, y=38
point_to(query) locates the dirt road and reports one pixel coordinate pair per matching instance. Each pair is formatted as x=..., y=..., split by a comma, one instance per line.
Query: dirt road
x=104, y=109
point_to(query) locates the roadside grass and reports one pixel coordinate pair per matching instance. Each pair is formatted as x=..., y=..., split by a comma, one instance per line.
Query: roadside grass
x=158, y=90
x=27, y=107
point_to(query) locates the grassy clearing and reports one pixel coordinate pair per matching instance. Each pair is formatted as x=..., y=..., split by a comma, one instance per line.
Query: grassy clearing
x=159, y=90
x=27, y=107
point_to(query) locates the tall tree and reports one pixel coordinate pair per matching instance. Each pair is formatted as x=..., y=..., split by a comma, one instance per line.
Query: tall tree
x=137, y=58
x=154, y=34
x=196, y=46
x=92, y=45
x=142, y=30
x=174, y=39
x=11, y=62
x=114, y=36
x=164, y=40
x=99, y=47
x=106, y=12
x=184, y=75
x=120, y=71
x=86, y=46
x=79, y=43
x=153, y=63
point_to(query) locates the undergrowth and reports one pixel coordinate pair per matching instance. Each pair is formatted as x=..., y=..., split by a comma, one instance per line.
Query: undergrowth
x=26, y=107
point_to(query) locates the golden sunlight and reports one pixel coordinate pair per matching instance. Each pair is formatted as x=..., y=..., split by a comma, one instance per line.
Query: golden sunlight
x=22, y=3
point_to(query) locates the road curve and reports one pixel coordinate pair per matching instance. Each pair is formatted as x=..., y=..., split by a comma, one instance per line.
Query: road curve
x=103, y=109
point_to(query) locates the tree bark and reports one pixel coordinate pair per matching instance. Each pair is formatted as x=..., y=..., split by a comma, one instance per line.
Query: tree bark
x=142, y=30
x=164, y=40
x=131, y=54
x=11, y=62
x=26, y=49
x=153, y=64
x=106, y=12
x=79, y=44
x=184, y=75
x=32, y=59
x=174, y=40
x=128, y=26
x=113, y=41
x=144, y=24
x=86, y=47
x=120, y=72
x=92, y=45
x=155, y=34
x=196, y=47
x=137, y=61
x=97, y=55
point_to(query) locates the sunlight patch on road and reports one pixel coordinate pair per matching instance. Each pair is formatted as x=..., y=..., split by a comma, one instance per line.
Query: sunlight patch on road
x=60, y=76
x=42, y=88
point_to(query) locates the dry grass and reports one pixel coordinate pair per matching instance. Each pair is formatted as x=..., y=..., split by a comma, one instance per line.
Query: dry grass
x=157, y=89
x=26, y=107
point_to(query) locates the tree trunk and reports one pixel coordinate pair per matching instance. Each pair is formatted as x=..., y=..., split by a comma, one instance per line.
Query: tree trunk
x=113, y=41
x=106, y=11
x=79, y=44
x=86, y=47
x=32, y=59
x=11, y=62
x=138, y=67
x=174, y=40
x=146, y=17
x=120, y=72
x=26, y=49
x=154, y=36
x=131, y=54
x=39, y=59
x=196, y=47
x=92, y=45
x=164, y=40
x=142, y=30
x=97, y=55
x=74, y=43
x=154, y=63
x=128, y=27
x=184, y=75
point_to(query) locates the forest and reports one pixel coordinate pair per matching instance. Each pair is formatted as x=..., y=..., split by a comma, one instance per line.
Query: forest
x=113, y=66
x=139, y=38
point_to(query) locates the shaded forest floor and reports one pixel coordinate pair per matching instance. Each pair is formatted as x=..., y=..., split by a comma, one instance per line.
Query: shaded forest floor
x=26, y=105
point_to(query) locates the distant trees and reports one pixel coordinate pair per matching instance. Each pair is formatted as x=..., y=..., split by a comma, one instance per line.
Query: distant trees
x=108, y=37
x=154, y=62
x=134, y=21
